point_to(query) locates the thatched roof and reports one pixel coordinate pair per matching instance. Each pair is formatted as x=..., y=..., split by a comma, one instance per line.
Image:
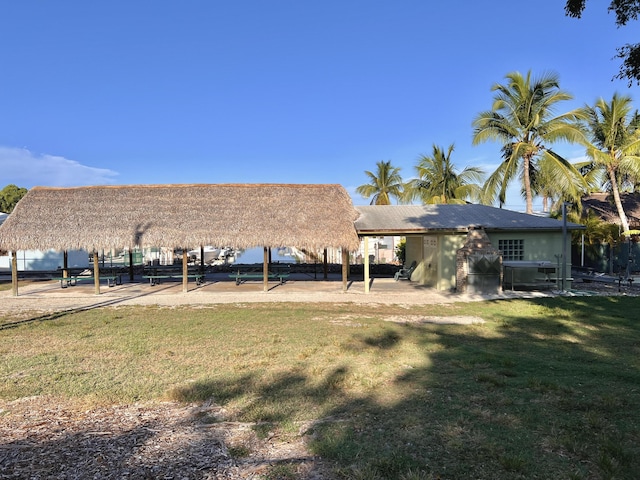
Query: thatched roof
x=183, y=216
x=602, y=205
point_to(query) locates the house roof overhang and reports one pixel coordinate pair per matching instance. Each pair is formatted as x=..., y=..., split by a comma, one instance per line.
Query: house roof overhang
x=379, y=220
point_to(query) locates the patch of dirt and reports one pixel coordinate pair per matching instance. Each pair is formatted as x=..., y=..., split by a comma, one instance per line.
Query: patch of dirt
x=452, y=320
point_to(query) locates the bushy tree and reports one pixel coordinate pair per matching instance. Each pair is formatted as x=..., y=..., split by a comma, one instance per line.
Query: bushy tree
x=401, y=251
x=9, y=197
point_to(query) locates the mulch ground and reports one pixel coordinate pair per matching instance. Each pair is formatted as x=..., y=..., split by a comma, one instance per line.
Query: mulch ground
x=43, y=439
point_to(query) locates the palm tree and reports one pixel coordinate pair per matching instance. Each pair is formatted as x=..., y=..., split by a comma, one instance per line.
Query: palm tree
x=438, y=181
x=615, y=144
x=383, y=185
x=555, y=189
x=521, y=118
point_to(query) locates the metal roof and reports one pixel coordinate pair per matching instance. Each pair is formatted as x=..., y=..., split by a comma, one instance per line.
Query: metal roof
x=406, y=219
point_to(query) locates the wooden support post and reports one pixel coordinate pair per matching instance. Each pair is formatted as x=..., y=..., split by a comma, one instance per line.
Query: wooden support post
x=14, y=273
x=345, y=268
x=366, y=264
x=325, y=265
x=131, y=265
x=96, y=273
x=65, y=264
x=185, y=271
x=265, y=269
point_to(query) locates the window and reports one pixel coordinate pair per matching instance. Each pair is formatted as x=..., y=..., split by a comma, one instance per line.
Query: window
x=511, y=249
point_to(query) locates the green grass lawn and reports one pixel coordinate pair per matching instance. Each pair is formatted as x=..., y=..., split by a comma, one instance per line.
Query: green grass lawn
x=546, y=389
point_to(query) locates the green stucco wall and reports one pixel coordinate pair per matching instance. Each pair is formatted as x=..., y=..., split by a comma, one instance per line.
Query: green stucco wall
x=543, y=246
x=436, y=255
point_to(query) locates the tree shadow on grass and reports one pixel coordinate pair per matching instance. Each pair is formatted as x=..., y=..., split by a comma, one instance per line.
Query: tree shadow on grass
x=553, y=394
x=547, y=394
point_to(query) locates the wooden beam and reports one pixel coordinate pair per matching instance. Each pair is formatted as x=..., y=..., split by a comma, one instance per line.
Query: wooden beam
x=14, y=273
x=265, y=269
x=96, y=273
x=185, y=271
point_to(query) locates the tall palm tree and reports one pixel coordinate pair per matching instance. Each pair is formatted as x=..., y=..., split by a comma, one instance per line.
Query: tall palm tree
x=614, y=148
x=555, y=189
x=438, y=181
x=522, y=119
x=383, y=184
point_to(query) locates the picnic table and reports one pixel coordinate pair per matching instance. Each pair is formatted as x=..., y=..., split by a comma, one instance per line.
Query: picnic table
x=156, y=274
x=74, y=276
x=276, y=271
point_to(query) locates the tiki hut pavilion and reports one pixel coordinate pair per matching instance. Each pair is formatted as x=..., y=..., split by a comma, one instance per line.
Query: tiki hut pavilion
x=245, y=216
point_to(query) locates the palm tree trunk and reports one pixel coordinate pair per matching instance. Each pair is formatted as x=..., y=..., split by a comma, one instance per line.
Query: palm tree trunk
x=616, y=198
x=527, y=184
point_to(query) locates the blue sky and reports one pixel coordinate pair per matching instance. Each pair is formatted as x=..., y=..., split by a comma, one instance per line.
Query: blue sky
x=204, y=91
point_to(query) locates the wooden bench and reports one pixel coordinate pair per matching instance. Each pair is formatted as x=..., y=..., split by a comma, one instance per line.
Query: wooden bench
x=155, y=275
x=256, y=272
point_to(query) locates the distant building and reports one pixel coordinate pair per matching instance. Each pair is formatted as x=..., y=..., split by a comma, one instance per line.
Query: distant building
x=31, y=260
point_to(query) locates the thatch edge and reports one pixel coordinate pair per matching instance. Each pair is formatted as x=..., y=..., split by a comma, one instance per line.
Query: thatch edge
x=341, y=233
